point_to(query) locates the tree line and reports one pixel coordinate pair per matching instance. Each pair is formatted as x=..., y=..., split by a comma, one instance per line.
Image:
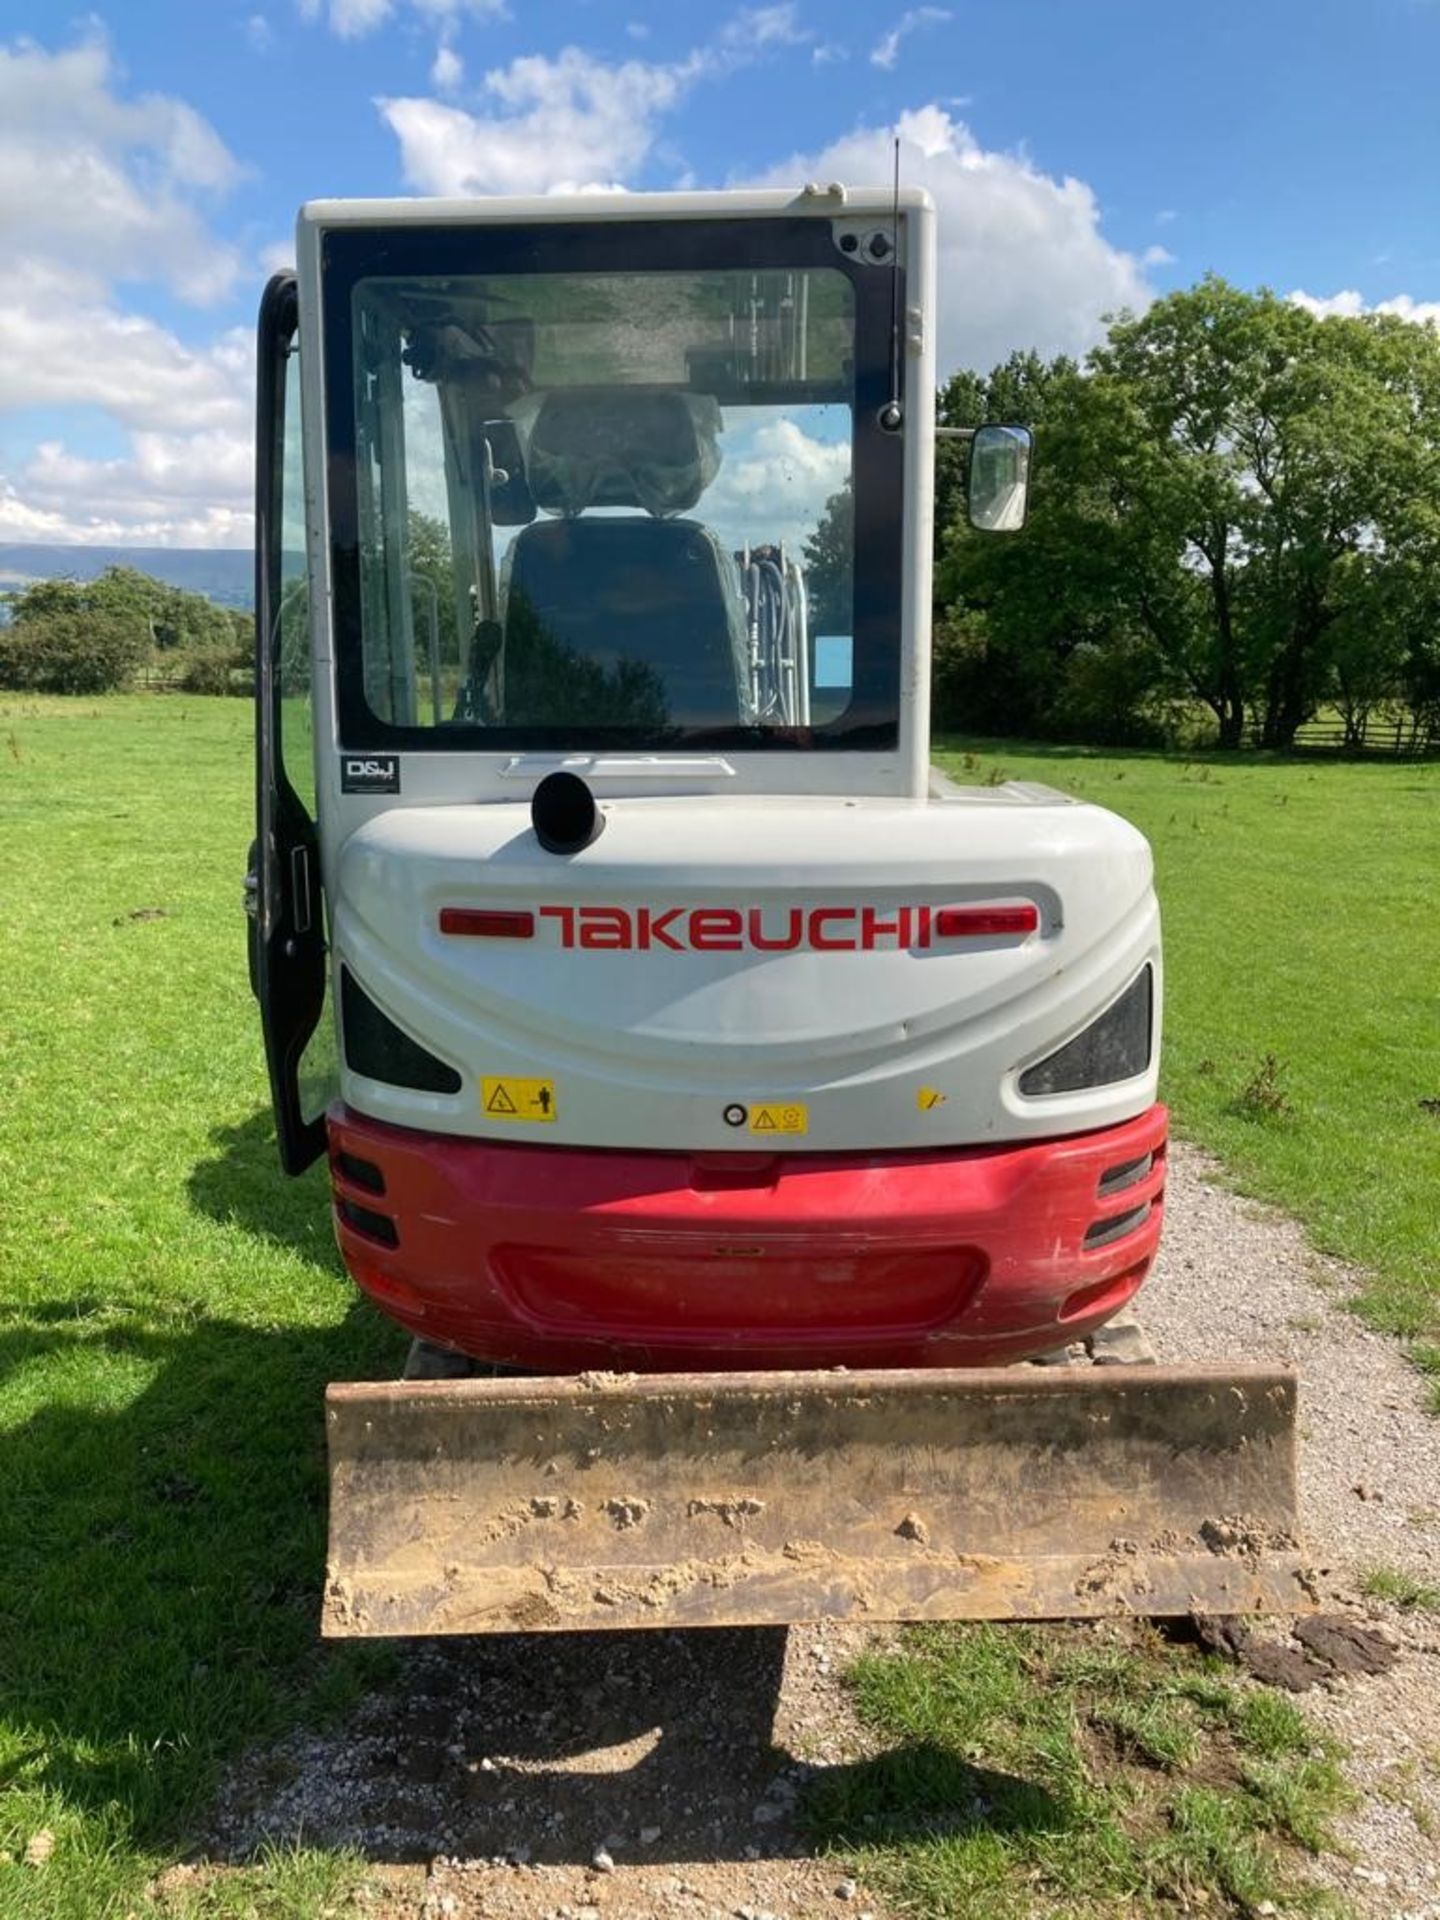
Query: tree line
x=101, y=635
x=1235, y=514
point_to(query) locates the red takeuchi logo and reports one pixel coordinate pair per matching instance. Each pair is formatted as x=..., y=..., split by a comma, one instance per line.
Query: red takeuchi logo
x=734, y=929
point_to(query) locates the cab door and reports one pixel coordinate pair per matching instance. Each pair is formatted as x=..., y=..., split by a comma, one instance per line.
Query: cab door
x=283, y=890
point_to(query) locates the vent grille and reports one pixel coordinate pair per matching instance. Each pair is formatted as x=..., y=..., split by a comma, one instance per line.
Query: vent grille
x=375, y=1226
x=1113, y=1048
x=365, y=1173
x=1129, y=1174
x=1116, y=1227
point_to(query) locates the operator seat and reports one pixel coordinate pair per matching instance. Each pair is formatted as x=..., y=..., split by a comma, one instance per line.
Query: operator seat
x=648, y=603
x=614, y=617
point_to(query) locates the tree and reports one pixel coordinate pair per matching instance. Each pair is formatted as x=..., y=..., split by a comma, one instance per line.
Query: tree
x=1038, y=636
x=1226, y=502
x=1289, y=444
x=830, y=565
x=176, y=621
x=1019, y=393
x=63, y=652
x=95, y=634
x=430, y=558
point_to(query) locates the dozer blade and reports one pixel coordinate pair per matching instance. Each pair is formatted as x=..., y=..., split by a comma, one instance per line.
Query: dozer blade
x=664, y=1500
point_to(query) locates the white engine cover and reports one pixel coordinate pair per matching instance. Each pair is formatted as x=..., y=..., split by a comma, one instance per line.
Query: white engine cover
x=917, y=1042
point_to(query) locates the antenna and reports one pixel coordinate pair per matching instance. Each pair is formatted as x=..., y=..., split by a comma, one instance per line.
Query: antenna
x=892, y=414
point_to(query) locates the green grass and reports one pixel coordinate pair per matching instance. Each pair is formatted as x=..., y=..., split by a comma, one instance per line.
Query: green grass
x=1427, y=1358
x=1302, y=1014
x=1401, y=1589
x=285, y=1883
x=1065, y=1773
x=170, y=1310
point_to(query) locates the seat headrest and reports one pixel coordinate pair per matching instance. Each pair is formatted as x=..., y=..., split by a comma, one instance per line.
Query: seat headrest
x=613, y=447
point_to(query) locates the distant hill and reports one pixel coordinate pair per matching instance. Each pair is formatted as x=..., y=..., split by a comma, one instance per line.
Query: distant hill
x=223, y=574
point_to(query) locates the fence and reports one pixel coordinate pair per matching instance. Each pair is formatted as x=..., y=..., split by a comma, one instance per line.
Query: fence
x=1397, y=734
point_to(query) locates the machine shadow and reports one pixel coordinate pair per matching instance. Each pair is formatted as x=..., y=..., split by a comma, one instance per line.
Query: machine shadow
x=240, y=1183
x=162, y=1546
x=661, y=1747
x=163, y=1562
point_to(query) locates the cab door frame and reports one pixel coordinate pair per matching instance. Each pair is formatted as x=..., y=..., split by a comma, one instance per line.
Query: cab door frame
x=284, y=896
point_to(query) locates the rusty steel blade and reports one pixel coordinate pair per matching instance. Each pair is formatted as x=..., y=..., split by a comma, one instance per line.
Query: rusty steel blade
x=663, y=1500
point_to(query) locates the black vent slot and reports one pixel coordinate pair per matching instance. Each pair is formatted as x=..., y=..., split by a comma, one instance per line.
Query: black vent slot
x=365, y=1173
x=376, y=1047
x=1116, y=1228
x=1130, y=1174
x=375, y=1226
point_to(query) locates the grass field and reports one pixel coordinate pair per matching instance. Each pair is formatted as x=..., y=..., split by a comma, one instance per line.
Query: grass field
x=170, y=1309
x=1302, y=1015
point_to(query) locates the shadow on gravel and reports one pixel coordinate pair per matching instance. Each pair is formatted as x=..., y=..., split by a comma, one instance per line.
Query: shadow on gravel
x=659, y=1747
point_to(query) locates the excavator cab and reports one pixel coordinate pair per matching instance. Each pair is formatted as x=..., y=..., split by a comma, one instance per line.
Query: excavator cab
x=731, y=1102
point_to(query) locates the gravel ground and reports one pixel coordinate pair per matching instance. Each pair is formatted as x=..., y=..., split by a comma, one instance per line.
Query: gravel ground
x=575, y=1776
x=1238, y=1281
x=634, y=1776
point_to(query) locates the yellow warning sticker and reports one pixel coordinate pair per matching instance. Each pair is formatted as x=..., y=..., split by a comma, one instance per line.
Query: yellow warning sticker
x=511, y=1099
x=790, y=1118
x=928, y=1098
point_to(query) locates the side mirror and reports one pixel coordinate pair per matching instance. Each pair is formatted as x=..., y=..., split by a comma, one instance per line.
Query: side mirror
x=999, y=478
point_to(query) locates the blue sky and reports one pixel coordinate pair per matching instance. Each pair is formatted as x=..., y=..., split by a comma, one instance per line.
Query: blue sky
x=1084, y=157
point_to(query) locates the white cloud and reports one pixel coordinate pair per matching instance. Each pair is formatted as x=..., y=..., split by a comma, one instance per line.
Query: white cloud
x=353, y=19
x=104, y=183
x=1023, y=261
x=570, y=120
x=562, y=122
x=97, y=188
x=447, y=70
x=886, y=50
x=63, y=344
x=774, y=477
x=1349, y=302
x=259, y=34
x=173, y=490
x=1157, y=257
x=755, y=27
